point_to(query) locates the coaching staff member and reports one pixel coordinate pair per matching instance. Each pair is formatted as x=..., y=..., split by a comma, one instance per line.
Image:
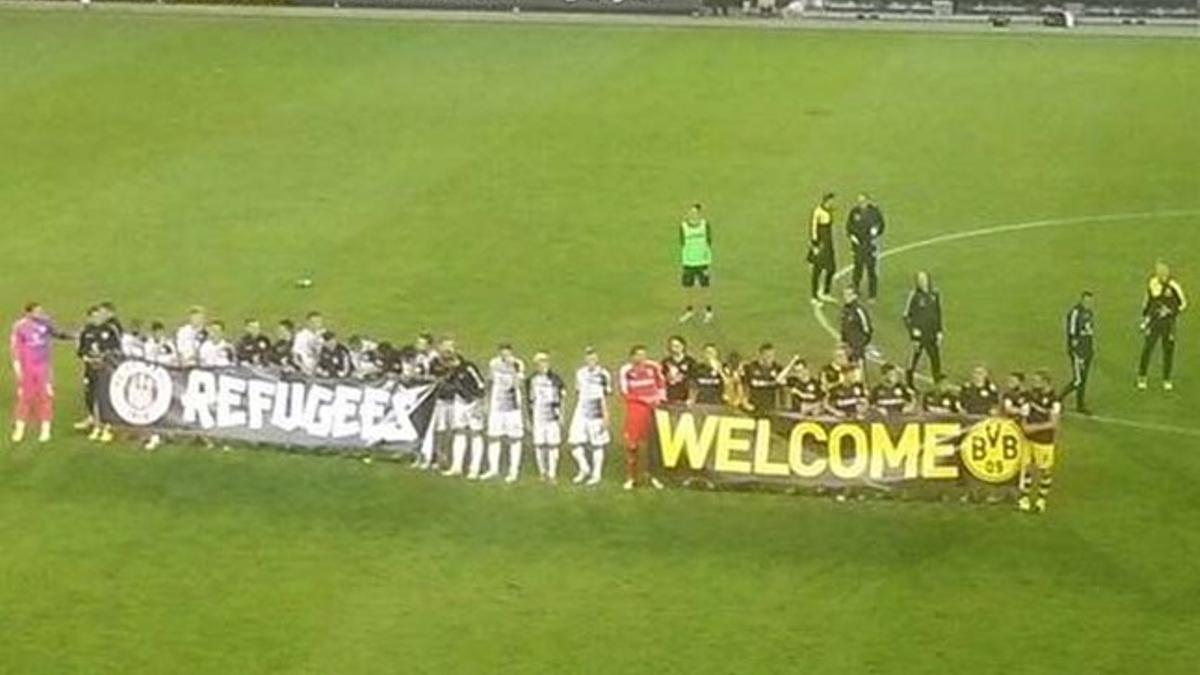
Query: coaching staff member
x=820, y=250
x=856, y=327
x=1165, y=301
x=1081, y=332
x=923, y=319
x=864, y=227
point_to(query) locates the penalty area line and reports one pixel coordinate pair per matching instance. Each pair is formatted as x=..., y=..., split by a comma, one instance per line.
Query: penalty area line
x=819, y=311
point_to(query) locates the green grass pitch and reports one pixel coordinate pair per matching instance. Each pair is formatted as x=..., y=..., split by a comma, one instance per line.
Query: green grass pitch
x=523, y=183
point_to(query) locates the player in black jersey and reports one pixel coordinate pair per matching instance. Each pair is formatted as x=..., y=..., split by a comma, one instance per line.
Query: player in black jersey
x=847, y=397
x=280, y=355
x=804, y=391
x=1041, y=425
x=980, y=396
x=893, y=396
x=1015, y=397
x=709, y=378
x=333, y=361
x=943, y=399
x=760, y=377
x=253, y=348
x=98, y=341
x=679, y=368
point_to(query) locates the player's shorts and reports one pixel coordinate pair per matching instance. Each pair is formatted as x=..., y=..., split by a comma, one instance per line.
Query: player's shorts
x=506, y=424
x=1041, y=455
x=547, y=434
x=35, y=384
x=588, y=431
x=466, y=416
x=442, y=410
x=639, y=421
x=693, y=275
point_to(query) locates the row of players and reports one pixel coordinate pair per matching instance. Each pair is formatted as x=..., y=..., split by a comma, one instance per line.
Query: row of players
x=472, y=406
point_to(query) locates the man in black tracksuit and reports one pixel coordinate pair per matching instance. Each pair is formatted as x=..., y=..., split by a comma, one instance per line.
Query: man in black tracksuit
x=923, y=319
x=864, y=227
x=856, y=327
x=1081, y=331
x=98, y=341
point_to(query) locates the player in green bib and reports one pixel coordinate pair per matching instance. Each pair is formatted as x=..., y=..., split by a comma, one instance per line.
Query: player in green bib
x=695, y=241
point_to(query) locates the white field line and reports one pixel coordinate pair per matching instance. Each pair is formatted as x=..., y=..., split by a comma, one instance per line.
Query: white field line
x=819, y=313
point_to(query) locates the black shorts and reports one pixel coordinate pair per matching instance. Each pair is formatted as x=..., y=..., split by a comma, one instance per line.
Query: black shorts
x=696, y=275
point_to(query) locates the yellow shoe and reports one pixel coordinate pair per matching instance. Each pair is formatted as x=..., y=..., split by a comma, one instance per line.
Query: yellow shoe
x=1040, y=505
x=84, y=424
x=1024, y=504
x=96, y=432
x=106, y=435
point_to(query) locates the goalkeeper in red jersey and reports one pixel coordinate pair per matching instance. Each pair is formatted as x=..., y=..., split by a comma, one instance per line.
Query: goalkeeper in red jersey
x=643, y=386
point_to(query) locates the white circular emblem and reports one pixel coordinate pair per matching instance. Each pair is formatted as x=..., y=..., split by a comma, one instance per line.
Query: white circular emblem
x=140, y=392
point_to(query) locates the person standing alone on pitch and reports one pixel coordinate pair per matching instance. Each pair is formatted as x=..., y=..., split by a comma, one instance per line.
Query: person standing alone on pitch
x=695, y=241
x=1081, y=332
x=820, y=250
x=923, y=319
x=1165, y=301
x=864, y=227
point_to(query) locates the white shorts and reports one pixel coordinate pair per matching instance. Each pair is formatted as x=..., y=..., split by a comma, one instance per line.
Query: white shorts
x=547, y=433
x=588, y=431
x=506, y=424
x=441, y=415
x=466, y=416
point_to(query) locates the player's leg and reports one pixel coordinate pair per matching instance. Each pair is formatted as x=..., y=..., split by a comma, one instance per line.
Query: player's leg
x=494, y=443
x=688, y=282
x=1168, y=356
x=514, y=448
x=814, y=282
x=827, y=280
x=458, y=453
x=1085, y=371
x=43, y=407
x=21, y=412
x=553, y=442
x=578, y=440
x=1045, y=462
x=935, y=359
x=598, y=439
x=860, y=267
x=914, y=360
x=88, y=421
x=872, y=275
x=1148, y=344
x=631, y=465
x=706, y=294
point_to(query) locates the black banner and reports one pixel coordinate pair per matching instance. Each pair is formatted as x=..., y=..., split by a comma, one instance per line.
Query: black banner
x=257, y=406
x=911, y=455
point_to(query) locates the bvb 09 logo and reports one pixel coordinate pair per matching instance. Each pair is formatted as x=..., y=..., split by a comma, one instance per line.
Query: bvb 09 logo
x=992, y=450
x=140, y=393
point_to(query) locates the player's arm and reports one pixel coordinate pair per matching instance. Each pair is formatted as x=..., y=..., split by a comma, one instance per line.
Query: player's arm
x=937, y=315
x=14, y=349
x=913, y=331
x=1183, y=303
x=879, y=219
x=850, y=233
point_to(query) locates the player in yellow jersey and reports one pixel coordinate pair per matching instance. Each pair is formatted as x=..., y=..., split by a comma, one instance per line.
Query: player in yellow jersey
x=1042, y=412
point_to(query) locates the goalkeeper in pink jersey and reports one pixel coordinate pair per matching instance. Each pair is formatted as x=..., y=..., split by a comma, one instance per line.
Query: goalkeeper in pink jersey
x=31, y=344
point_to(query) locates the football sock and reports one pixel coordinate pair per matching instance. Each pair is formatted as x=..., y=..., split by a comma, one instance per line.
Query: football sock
x=552, y=463
x=476, y=463
x=597, y=463
x=514, y=460
x=539, y=456
x=458, y=451
x=493, y=458
x=581, y=460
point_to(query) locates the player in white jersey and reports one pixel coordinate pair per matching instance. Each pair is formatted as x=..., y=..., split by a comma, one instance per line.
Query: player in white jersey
x=306, y=346
x=589, y=425
x=190, y=336
x=215, y=351
x=545, y=393
x=506, y=374
x=158, y=348
x=133, y=345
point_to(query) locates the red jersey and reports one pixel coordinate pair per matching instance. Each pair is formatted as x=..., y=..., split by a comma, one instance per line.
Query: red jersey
x=643, y=383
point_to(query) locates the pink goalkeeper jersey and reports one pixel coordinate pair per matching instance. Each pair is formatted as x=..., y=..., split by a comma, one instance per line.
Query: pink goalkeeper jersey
x=32, y=340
